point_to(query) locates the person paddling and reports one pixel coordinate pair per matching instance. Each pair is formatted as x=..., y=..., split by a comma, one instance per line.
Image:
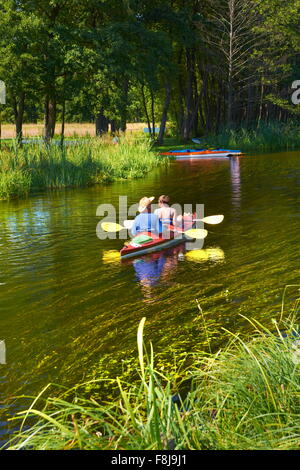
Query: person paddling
x=166, y=214
x=146, y=221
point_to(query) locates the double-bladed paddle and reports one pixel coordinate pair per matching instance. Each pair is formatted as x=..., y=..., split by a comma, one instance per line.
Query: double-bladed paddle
x=211, y=220
x=197, y=233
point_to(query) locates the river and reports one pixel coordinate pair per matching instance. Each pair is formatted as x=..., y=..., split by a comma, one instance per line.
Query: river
x=66, y=314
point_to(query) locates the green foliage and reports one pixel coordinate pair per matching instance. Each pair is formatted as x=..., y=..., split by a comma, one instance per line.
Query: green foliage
x=14, y=183
x=273, y=136
x=115, y=60
x=36, y=166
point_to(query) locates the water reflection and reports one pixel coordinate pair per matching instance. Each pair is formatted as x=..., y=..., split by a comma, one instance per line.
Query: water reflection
x=216, y=255
x=235, y=183
x=157, y=268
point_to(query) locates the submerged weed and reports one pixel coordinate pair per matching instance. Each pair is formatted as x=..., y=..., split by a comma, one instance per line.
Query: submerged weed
x=246, y=396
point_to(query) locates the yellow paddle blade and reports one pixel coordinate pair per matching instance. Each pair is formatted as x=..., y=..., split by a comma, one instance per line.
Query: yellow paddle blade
x=198, y=233
x=197, y=255
x=215, y=254
x=111, y=256
x=111, y=227
x=213, y=219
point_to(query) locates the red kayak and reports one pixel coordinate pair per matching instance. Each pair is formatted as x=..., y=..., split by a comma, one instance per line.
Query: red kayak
x=159, y=243
x=202, y=153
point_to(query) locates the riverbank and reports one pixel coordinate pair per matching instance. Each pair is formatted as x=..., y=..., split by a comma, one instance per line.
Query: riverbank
x=89, y=161
x=266, y=137
x=37, y=167
x=245, y=396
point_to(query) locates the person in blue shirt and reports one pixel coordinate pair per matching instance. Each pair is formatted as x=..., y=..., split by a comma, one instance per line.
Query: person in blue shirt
x=146, y=221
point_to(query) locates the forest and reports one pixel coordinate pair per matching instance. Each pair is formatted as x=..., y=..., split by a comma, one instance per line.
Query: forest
x=198, y=65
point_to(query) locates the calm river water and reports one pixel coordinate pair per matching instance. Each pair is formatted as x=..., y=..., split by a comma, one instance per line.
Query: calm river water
x=65, y=313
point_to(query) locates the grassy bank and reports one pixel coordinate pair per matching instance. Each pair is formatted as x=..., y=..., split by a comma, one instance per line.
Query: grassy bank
x=267, y=137
x=246, y=396
x=38, y=167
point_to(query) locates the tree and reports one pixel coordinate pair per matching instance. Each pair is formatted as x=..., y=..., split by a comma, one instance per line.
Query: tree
x=18, y=67
x=232, y=34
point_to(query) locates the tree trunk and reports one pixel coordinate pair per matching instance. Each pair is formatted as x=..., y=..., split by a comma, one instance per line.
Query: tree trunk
x=52, y=116
x=180, y=112
x=261, y=103
x=124, y=106
x=101, y=124
x=189, y=95
x=250, y=104
x=113, y=126
x=62, y=135
x=19, y=114
x=152, y=112
x=209, y=103
x=229, y=103
x=162, y=128
x=230, y=63
x=49, y=119
x=206, y=101
x=194, y=123
x=146, y=111
x=219, y=108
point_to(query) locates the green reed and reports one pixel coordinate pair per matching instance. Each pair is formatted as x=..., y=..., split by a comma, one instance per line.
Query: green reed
x=87, y=162
x=265, y=137
x=245, y=396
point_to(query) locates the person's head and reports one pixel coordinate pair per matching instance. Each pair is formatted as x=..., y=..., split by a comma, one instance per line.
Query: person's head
x=162, y=200
x=145, y=204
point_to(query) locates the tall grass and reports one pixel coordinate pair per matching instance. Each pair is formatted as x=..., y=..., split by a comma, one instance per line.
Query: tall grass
x=273, y=136
x=14, y=183
x=37, y=166
x=246, y=396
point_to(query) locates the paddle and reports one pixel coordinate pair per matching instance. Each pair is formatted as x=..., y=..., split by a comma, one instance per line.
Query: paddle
x=199, y=234
x=111, y=227
x=211, y=220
